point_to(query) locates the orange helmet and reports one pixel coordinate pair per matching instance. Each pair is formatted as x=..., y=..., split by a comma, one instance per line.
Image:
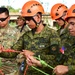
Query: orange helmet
x=31, y=8
x=57, y=11
x=71, y=12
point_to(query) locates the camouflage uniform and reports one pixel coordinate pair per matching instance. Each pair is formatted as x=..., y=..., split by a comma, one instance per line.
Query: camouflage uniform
x=45, y=44
x=70, y=54
x=63, y=33
x=8, y=37
x=69, y=44
x=20, y=58
x=25, y=29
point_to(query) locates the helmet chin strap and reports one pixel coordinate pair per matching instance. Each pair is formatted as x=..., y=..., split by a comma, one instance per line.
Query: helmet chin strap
x=37, y=24
x=64, y=23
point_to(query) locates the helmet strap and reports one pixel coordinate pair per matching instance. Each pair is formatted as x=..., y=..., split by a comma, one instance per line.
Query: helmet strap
x=37, y=24
x=33, y=30
x=64, y=22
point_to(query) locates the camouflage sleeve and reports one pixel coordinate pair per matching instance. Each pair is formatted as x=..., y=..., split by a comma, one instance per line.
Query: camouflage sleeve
x=71, y=70
x=17, y=46
x=54, y=57
x=70, y=61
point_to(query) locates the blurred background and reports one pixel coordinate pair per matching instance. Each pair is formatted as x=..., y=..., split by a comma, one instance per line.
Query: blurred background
x=15, y=6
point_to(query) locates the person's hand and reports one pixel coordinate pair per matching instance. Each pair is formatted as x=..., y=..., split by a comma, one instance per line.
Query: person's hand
x=31, y=61
x=60, y=69
x=27, y=52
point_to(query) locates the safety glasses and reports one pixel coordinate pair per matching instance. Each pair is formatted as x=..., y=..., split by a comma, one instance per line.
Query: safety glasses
x=3, y=19
x=28, y=18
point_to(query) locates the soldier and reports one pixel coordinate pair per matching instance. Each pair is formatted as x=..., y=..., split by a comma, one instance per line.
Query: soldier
x=20, y=22
x=8, y=35
x=69, y=66
x=21, y=26
x=58, y=13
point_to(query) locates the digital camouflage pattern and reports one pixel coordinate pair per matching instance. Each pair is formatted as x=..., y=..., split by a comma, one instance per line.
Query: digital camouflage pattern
x=63, y=33
x=68, y=42
x=19, y=57
x=8, y=36
x=46, y=44
x=70, y=54
x=25, y=29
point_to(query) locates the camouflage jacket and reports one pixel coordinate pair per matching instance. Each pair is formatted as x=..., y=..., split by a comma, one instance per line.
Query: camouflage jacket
x=8, y=37
x=46, y=44
x=24, y=30
x=68, y=42
x=63, y=33
x=70, y=54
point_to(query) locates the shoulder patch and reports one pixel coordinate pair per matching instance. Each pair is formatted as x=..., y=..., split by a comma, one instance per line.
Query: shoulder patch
x=53, y=48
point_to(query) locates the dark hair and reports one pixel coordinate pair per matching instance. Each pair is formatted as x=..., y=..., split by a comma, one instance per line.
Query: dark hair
x=20, y=17
x=4, y=10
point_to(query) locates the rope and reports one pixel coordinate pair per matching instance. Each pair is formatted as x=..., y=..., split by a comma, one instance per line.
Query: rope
x=1, y=73
x=25, y=69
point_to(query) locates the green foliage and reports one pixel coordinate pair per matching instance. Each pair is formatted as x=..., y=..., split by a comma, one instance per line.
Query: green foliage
x=2, y=6
x=12, y=24
x=11, y=9
x=56, y=25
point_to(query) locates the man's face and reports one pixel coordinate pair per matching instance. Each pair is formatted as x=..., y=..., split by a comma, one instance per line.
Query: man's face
x=71, y=27
x=20, y=22
x=30, y=22
x=4, y=19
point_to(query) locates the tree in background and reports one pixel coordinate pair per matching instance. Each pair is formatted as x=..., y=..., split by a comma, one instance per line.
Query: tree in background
x=11, y=9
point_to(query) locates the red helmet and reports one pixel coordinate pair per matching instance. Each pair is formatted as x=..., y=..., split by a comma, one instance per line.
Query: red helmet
x=31, y=8
x=57, y=10
x=71, y=12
